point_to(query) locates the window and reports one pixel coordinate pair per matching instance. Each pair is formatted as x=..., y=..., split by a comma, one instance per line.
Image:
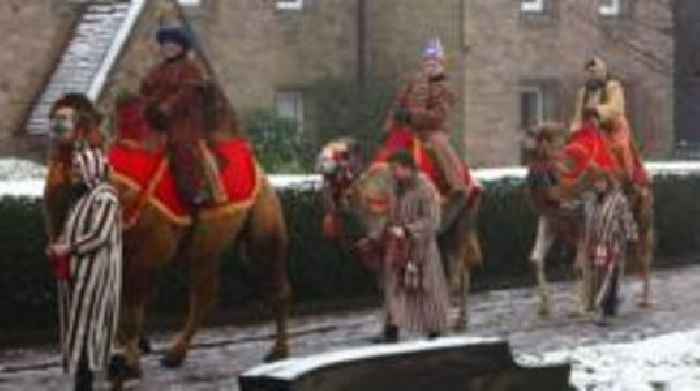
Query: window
x=290, y=4
x=189, y=3
x=610, y=7
x=532, y=6
x=531, y=106
x=290, y=105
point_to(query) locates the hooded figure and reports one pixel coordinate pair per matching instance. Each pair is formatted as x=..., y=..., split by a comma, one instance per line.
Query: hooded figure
x=91, y=241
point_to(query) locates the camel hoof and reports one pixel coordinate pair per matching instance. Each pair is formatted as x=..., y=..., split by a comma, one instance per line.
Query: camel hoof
x=172, y=360
x=277, y=353
x=461, y=327
x=119, y=370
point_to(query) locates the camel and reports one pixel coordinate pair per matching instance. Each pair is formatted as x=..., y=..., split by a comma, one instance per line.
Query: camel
x=153, y=240
x=357, y=195
x=550, y=193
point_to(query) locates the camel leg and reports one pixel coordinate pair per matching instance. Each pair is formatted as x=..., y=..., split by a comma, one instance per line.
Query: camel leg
x=463, y=314
x=204, y=287
x=267, y=244
x=586, y=281
x=543, y=242
x=137, y=288
x=644, y=249
x=211, y=236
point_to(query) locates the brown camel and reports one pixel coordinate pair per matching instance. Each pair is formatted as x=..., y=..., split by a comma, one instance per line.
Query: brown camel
x=154, y=241
x=549, y=194
x=355, y=192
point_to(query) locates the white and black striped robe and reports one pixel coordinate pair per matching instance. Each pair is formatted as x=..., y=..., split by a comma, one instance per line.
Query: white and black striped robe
x=91, y=308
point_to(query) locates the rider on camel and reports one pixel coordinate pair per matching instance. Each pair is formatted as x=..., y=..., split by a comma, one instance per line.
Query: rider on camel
x=173, y=101
x=603, y=99
x=424, y=104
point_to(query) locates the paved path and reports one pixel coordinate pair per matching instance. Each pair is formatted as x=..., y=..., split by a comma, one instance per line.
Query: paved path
x=222, y=353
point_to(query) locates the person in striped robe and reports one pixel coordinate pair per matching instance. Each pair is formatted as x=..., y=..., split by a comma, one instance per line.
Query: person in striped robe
x=609, y=229
x=91, y=240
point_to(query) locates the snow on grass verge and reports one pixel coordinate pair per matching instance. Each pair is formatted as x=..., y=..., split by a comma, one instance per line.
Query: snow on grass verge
x=667, y=363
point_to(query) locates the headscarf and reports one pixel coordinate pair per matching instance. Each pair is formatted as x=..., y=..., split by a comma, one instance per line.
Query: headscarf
x=597, y=64
x=92, y=166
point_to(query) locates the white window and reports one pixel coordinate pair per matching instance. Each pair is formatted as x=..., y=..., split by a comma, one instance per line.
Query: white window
x=532, y=6
x=189, y=3
x=290, y=105
x=531, y=106
x=610, y=7
x=290, y=4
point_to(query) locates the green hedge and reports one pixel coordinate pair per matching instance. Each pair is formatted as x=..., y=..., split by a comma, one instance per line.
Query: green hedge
x=318, y=270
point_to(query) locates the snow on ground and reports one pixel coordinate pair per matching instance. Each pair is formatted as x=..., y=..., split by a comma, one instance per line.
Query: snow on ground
x=667, y=363
x=26, y=178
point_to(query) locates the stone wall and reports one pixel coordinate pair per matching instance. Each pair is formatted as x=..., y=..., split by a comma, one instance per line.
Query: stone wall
x=509, y=50
x=33, y=36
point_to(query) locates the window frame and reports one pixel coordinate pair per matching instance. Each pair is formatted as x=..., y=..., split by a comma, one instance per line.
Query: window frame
x=289, y=5
x=539, y=91
x=532, y=6
x=298, y=103
x=189, y=3
x=610, y=8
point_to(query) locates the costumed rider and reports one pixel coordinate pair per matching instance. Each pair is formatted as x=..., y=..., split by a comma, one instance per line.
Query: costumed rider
x=603, y=99
x=424, y=104
x=174, y=104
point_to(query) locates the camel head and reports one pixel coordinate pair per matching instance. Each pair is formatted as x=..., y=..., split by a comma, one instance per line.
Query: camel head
x=542, y=143
x=348, y=191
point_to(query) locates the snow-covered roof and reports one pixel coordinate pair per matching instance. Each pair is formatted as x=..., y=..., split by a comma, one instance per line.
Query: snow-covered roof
x=295, y=367
x=26, y=178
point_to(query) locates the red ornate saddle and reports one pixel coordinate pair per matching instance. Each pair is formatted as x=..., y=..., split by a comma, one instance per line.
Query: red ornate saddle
x=402, y=138
x=148, y=173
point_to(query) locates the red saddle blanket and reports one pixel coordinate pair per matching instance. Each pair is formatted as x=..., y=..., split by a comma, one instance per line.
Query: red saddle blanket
x=138, y=169
x=588, y=149
x=402, y=138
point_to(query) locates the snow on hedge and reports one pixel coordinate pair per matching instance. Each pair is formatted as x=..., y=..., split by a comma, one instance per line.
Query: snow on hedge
x=26, y=178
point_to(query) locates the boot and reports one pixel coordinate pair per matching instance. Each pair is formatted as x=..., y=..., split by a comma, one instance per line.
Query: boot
x=433, y=335
x=83, y=380
x=389, y=335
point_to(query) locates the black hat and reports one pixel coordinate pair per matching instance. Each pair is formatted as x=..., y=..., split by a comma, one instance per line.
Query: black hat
x=174, y=35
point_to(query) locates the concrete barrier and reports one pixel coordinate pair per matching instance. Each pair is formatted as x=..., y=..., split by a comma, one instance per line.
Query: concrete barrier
x=447, y=364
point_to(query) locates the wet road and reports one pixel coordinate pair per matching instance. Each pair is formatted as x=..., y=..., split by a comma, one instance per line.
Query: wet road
x=221, y=354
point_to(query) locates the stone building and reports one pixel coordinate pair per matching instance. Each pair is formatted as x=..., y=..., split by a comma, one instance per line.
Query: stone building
x=511, y=62
x=526, y=61
x=34, y=34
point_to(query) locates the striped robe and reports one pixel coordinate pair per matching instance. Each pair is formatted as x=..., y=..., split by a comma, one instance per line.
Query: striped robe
x=89, y=310
x=423, y=310
x=609, y=226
